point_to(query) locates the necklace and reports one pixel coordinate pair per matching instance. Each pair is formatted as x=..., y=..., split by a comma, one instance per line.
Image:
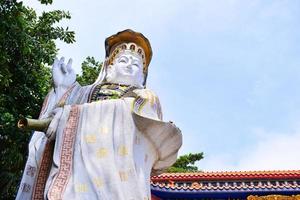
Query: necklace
x=108, y=91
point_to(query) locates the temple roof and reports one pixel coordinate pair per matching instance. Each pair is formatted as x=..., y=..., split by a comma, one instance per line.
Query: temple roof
x=228, y=175
x=226, y=184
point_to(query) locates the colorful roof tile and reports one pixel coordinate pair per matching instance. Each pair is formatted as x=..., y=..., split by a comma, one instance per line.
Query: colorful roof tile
x=230, y=175
x=229, y=184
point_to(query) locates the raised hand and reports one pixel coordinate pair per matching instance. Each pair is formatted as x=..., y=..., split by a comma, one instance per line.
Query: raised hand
x=63, y=75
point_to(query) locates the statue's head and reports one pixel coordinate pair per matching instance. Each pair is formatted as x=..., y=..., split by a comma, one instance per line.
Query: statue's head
x=128, y=55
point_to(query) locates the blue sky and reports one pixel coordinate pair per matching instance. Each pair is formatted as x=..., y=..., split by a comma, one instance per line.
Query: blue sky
x=227, y=71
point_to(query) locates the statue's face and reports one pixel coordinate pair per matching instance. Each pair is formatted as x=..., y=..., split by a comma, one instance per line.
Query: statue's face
x=127, y=69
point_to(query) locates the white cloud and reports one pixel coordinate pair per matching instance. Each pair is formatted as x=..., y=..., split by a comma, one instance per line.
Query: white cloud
x=271, y=152
x=219, y=162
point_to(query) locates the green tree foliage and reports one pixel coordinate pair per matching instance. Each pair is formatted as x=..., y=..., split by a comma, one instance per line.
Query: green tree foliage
x=186, y=163
x=90, y=71
x=26, y=48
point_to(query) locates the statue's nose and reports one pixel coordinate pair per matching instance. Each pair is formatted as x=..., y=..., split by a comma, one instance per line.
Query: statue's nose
x=129, y=66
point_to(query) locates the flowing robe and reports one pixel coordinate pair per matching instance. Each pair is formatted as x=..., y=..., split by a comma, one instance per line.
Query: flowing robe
x=102, y=150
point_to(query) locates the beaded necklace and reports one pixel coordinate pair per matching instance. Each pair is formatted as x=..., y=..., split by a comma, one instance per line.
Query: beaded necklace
x=108, y=91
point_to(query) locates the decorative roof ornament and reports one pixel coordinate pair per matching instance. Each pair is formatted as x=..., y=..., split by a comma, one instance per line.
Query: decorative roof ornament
x=273, y=197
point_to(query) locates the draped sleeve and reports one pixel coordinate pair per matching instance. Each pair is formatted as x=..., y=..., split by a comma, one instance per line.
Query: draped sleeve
x=165, y=136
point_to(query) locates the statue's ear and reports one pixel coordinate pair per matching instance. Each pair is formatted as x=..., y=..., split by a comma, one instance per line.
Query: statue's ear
x=110, y=73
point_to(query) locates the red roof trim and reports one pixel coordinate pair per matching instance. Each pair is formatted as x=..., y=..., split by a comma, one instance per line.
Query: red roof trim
x=237, y=175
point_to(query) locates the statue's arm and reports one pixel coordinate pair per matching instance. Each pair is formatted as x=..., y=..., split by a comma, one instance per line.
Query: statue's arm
x=63, y=77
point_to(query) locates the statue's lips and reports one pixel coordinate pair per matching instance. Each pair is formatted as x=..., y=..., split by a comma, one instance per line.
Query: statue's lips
x=127, y=71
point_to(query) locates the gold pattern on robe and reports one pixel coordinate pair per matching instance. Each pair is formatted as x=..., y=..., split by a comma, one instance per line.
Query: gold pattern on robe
x=98, y=182
x=102, y=152
x=80, y=187
x=90, y=138
x=151, y=97
x=103, y=130
x=123, y=176
x=123, y=151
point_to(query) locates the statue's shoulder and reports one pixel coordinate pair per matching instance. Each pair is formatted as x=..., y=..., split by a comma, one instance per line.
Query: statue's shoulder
x=147, y=104
x=146, y=94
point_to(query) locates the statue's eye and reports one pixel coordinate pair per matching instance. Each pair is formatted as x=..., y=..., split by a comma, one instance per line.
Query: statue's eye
x=122, y=60
x=135, y=64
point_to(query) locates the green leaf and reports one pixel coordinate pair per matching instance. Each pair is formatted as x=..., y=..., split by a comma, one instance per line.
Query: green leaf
x=46, y=1
x=90, y=71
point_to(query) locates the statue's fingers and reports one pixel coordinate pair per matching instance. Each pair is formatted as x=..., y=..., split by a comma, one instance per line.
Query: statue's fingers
x=64, y=68
x=55, y=63
x=69, y=65
x=55, y=67
x=52, y=128
x=62, y=65
x=61, y=60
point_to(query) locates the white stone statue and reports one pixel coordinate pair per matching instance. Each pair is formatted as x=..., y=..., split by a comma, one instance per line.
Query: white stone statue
x=105, y=139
